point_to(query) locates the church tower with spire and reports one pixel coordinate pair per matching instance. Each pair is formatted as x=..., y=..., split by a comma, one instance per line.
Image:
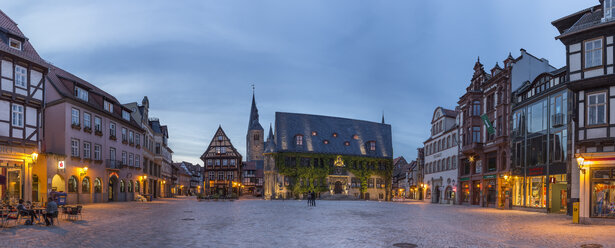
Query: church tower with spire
x=254, y=139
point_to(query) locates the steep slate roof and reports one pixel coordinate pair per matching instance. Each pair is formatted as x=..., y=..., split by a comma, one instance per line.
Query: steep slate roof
x=288, y=125
x=8, y=26
x=253, y=123
x=586, y=21
x=63, y=82
x=449, y=112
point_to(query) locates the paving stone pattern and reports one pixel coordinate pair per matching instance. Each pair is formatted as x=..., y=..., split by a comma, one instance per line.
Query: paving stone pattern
x=184, y=222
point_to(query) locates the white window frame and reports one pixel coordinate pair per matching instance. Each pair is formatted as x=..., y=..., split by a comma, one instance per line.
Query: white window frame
x=124, y=157
x=74, y=147
x=75, y=117
x=97, y=152
x=125, y=115
x=21, y=77
x=81, y=93
x=594, y=108
x=137, y=160
x=299, y=140
x=124, y=134
x=137, y=139
x=131, y=137
x=225, y=162
x=609, y=6
x=593, y=53
x=11, y=40
x=17, y=112
x=87, y=150
x=87, y=120
x=131, y=157
x=108, y=106
x=97, y=126
x=212, y=175
x=112, y=153
x=112, y=129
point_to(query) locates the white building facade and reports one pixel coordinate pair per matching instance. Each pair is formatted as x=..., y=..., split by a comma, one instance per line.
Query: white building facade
x=441, y=150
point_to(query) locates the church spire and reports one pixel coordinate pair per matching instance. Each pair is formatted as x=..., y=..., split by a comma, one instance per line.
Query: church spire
x=270, y=136
x=254, y=123
x=382, y=117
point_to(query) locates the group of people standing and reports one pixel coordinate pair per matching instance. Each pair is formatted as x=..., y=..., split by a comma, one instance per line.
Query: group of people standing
x=311, y=196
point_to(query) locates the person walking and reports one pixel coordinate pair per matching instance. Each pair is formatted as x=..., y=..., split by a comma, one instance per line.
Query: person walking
x=313, y=198
x=309, y=198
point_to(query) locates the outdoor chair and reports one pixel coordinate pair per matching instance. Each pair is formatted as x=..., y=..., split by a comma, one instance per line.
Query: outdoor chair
x=78, y=212
x=65, y=212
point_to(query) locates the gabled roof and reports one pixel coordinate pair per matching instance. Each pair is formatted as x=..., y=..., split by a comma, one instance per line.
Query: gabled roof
x=8, y=26
x=225, y=142
x=289, y=125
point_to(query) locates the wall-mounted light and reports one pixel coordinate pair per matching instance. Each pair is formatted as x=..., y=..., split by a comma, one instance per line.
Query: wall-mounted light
x=34, y=156
x=581, y=163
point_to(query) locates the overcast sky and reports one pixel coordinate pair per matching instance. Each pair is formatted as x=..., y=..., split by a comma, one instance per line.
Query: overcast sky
x=196, y=60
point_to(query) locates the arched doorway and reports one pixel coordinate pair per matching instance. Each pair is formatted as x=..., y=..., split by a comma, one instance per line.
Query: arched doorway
x=449, y=195
x=58, y=184
x=338, y=187
x=111, y=189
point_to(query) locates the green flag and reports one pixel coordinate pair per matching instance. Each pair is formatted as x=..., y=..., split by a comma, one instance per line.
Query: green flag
x=488, y=124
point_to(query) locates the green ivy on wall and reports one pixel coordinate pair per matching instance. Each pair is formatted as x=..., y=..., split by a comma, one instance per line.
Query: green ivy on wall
x=361, y=167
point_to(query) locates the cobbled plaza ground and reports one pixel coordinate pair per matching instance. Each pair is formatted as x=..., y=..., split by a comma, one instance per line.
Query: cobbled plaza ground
x=184, y=222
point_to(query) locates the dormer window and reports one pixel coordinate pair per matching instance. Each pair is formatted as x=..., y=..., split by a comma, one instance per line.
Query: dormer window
x=15, y=44
x=81, y=93
x=371, y=145
x=609, y=6
x=299, y=140
x=125, y=115
x=108, y=106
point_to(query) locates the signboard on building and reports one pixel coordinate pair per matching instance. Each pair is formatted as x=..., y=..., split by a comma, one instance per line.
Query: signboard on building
x=479, y=166
x=488, y=124
x=61, y=165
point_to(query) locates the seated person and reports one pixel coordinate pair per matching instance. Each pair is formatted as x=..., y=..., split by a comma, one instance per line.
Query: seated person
x=51, y=210
x=26, y=212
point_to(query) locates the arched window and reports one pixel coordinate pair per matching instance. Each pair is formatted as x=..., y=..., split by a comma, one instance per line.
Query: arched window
x=97, y=185
x=137, y=187
x=72, y=184
x=122, y=186
x=85, y=185
x=130, y=186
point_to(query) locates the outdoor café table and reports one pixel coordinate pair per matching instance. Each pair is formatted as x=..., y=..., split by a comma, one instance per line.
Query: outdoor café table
x=39, y=212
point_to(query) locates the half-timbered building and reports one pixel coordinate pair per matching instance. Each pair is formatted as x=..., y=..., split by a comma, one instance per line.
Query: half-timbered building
x=21, y=101
x=588, y=36
x=222, y=170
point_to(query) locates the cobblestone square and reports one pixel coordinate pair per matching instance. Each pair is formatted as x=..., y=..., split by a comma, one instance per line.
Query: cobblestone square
x=184, y=222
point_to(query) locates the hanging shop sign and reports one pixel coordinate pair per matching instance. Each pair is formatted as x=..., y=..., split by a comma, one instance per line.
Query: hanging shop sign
x=488, y=124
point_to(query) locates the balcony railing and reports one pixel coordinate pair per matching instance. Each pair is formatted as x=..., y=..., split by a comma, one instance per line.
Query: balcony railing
x=113, y=164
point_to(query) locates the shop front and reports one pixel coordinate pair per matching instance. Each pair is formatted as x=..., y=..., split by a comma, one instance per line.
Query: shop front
x=465, y=191
x=597, y=187
x=17, y=180
x=537, y=190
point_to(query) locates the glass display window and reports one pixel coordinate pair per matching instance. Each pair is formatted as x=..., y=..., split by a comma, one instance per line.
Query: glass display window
x=536, y=192
x=603, y=193
x=517, y=191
